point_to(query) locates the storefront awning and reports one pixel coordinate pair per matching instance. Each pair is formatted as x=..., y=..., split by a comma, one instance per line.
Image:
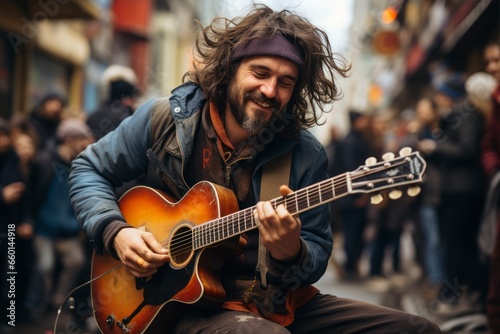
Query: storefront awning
x=465, y=16
x=59, y=9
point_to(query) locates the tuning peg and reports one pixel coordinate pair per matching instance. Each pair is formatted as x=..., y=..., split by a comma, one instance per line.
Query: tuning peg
x=376, y=199
x=370, y=161
x=395, y=194
x=413, y=191
x=388, y=156
x=404, y=151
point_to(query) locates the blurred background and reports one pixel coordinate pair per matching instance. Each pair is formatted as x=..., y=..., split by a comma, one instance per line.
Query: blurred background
x=65, y=46
x=412, y=61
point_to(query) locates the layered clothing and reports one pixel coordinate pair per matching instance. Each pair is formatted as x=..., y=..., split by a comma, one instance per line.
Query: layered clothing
x=164, y=146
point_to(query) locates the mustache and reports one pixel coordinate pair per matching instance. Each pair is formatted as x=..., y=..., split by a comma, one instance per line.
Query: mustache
x=261, y=99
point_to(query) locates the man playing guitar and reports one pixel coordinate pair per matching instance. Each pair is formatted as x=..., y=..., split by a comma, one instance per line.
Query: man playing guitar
x=257, y=84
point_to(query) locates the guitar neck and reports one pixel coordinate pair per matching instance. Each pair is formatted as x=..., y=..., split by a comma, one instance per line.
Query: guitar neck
x=390, y=173
x=299, y=201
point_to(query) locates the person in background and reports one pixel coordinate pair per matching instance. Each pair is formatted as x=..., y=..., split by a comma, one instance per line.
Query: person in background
x=352, y=152
x=479, y=87
x=12, y=183
x=57, y=232
x=456, y=153
x=12, y=188
x=45, y=118
x=425, y=127
x=490, y=157
x=120, y=85
x=25, y=144
x=388, y=218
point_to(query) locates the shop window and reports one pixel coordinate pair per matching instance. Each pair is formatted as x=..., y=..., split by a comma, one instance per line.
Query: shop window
x=47, y=75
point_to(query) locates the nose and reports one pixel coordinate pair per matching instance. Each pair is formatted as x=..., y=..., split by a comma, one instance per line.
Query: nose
x=268, y=88
x=488, y=67
x=491, y=67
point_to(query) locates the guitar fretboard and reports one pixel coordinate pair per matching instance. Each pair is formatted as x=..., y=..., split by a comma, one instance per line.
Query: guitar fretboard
x=242, y=221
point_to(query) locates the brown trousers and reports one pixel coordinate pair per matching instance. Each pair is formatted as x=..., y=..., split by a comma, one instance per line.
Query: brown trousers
x=323, y=314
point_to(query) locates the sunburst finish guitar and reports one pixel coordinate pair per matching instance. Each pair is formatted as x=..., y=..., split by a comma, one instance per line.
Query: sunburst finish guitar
x=200, y=231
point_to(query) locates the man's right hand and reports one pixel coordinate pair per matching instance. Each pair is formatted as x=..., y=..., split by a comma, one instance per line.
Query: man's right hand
x=139, y=251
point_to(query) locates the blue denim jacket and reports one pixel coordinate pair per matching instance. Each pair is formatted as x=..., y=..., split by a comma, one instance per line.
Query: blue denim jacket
x=132, y=150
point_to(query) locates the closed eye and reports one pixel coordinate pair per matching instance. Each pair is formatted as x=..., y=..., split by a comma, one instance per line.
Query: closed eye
x=287, y=83
x=261, y=75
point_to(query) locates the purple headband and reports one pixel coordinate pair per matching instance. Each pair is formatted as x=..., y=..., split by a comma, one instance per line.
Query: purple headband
x=277, y=45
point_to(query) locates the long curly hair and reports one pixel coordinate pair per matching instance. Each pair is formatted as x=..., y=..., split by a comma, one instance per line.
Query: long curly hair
x=214, y=65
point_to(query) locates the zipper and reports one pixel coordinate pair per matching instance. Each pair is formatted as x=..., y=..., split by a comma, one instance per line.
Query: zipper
x=228, y=173
x=182, y=161
x=228, y=169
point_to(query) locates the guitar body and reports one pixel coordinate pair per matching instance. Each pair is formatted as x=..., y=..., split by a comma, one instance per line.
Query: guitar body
x=124, y=304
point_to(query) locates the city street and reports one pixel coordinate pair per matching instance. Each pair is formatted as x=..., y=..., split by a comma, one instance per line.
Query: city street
x=398, y=102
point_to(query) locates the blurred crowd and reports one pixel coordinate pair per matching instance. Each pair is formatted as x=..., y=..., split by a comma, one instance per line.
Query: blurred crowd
x=52, y=255
x=456, y=128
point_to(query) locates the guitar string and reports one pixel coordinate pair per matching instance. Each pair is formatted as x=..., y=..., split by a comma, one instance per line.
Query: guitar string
x=242, y=225
x=183, y=243
x=301, y=202
x=331, y=185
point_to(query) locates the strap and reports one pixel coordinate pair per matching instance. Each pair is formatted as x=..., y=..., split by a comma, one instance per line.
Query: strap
x=274, y=174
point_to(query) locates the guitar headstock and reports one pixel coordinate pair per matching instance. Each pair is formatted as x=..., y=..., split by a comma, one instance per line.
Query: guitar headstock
x=392, y=173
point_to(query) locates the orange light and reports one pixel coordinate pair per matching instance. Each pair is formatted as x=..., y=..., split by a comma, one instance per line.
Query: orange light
x=375, y=94
x=389, y=15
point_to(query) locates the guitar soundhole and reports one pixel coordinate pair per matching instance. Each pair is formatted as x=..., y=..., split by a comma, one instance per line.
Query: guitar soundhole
x=181, y=246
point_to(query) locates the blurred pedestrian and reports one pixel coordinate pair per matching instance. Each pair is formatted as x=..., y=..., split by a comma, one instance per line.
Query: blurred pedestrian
x=491, y=164
x=386, y=218
x=11, y=178
x=11, y=191
x=57, y=232
x=25, y=144
x=352, y=152
x=120, y=85
x=456, y=153
x=425, y=127
x=45, y=118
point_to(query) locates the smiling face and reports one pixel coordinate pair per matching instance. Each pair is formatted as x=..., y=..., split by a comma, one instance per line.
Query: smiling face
x=261, y=87
x=492, y=59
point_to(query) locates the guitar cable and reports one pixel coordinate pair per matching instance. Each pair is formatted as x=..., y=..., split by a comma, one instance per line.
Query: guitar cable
x=71, y=300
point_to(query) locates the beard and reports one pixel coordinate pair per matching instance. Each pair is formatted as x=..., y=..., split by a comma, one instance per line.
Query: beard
x=252, y=124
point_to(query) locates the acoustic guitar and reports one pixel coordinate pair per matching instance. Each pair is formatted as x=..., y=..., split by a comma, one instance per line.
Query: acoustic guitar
x=201, y=230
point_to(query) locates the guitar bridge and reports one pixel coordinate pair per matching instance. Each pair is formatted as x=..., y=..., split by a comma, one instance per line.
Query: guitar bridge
x=125, y=329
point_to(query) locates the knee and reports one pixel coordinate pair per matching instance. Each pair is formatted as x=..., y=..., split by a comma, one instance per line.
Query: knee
x=432, y=329
x=420, y=325
x=78, y=261
x=75, y=260
x=45, y=264
x=259, y=325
